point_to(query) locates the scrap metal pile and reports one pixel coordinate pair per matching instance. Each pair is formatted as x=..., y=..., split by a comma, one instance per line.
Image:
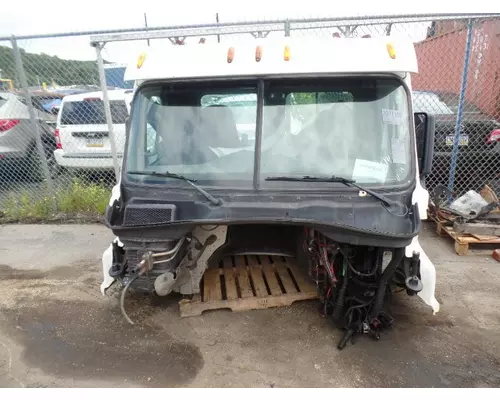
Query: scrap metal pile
x=473, y=213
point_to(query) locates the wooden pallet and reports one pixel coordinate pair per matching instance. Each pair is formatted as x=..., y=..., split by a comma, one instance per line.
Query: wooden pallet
x=462, y=241
x=249, y=283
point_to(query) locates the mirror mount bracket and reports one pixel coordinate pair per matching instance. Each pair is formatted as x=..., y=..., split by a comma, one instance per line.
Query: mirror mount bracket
x=425, y=126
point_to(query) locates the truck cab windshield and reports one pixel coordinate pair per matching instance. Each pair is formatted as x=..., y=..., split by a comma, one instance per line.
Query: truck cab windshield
x=358, y=128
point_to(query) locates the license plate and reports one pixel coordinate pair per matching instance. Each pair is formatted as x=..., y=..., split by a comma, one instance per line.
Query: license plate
x=95, y=142
x=463, y=140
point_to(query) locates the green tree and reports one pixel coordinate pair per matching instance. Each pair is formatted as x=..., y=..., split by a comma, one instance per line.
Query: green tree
x=44, y=68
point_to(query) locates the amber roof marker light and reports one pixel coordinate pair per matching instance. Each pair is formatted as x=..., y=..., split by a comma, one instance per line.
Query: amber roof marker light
x=258, y=53
x=286, y=53
x=230, y=55
x=140, y=60
x=391, y=50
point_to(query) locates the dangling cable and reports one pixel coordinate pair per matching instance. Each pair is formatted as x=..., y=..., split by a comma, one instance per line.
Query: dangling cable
x=122, y=298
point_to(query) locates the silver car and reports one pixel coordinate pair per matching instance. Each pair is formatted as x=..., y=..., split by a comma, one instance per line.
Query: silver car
x=19, y=158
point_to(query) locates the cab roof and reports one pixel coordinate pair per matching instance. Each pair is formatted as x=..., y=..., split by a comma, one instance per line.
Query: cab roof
x=306, y=56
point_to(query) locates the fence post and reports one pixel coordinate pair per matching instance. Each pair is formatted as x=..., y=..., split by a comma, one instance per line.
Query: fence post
x=458, y=125
x=107, y=110
x=33, y=121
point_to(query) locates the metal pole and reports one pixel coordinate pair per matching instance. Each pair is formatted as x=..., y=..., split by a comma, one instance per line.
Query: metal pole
x=146, y=24
x=312, y=23
x=107, y=111
x=287, y=28
x=217, y=20
x=33, y=119
x=388, y=30
x=458, y=124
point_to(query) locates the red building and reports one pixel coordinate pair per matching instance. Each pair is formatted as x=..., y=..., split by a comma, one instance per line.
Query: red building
x=441, y=62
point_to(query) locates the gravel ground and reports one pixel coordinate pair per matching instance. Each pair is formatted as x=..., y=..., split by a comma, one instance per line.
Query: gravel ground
x=57, y=330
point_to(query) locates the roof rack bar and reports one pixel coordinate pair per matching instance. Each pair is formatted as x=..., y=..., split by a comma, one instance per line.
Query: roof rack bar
x=232, y=28
x=224, y=25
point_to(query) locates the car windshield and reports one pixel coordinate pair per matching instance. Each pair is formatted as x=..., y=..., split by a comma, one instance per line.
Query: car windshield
x=243, y=106
x=441, y=103
x=452, y=100
x=91, y=111
x=46, y=103
x=354, y=128
x=430, y=103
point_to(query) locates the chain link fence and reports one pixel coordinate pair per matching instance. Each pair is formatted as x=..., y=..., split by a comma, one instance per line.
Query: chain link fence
x=64, y=157
x=37, y=179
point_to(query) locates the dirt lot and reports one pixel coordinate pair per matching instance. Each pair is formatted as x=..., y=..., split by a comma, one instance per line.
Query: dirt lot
x=57, y=330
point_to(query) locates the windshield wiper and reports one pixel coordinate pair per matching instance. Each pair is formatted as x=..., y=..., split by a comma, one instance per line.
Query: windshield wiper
x=348, y=182
x=167, y=174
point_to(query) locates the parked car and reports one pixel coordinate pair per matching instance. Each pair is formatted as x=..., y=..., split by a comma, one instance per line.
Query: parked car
x=77, y=89
x=19, y=157
x=478, y=160
x=82, y=134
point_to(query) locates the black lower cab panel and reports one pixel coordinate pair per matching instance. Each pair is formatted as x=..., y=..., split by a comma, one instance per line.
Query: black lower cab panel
x=352, y=282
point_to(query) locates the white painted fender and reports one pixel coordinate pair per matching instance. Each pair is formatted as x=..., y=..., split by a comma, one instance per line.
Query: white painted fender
x=115, y=194
x=420, y=197
x=107, y=261
x=427, y=274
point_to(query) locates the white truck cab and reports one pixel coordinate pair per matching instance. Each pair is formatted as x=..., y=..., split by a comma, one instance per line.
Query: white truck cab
x=328, y=153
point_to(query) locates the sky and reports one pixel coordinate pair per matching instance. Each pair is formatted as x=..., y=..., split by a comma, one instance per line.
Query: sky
x=34, y=17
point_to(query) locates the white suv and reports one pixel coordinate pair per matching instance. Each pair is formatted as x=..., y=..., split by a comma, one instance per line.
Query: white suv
x=82, y=133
